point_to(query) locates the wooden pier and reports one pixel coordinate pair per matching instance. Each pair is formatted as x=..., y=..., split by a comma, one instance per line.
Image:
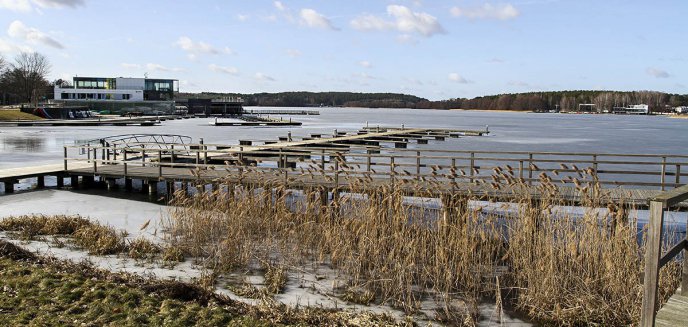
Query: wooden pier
x=139, y=121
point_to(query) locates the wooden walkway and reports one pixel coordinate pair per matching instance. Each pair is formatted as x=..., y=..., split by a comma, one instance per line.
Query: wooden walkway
x=352, y=182
x=674, y=313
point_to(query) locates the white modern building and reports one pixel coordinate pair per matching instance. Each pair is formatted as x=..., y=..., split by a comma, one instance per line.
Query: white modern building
x=120, y=95
x=120, y=88
x=636, y=109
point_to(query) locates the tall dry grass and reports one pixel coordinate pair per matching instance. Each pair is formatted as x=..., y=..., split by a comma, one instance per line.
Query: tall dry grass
x=555, y=266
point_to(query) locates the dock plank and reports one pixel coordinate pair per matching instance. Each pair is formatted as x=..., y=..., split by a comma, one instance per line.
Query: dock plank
x=674, y=313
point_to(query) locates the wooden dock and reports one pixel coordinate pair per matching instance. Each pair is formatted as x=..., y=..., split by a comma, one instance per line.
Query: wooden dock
x=139, y=121
x=674, y=312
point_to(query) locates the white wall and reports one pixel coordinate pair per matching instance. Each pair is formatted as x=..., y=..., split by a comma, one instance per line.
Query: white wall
x=117, y=95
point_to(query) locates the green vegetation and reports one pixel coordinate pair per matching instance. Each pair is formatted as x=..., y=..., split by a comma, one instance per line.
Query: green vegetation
x=15, y=114
x=46, y=292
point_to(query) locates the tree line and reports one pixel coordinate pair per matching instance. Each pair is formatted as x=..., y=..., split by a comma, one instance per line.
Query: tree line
x=319, y=99
x=563, y=101
x=25, y=79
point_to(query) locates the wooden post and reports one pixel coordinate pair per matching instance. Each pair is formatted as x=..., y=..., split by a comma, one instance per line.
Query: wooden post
x=684, y=277
x=594, y=163
x=520, y=169
x=124, y=158
x=322, y=159
x=391, y=168
x=653, y=252
x=453, y=179
x=678, y=175
x=152, y=188
x=368, y=160
x=65, y=157
x=128, y=184
x=472, y=165
x=530, y=169
x=418, y=165
x=160, y=163
x=60, y=181
x=663, y=174
x=114, y=151
x=172, y=153
x=40, y=181
x=143, y=155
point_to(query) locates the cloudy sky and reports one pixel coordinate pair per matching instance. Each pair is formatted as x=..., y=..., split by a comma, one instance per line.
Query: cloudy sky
x=433, y=49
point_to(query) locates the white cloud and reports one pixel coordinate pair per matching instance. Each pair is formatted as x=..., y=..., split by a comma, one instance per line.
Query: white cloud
x=9, y=47
x=16, y=5
x=18, y=30
x=312, y=18
x=263, y=77
x=158, y=67
x=28, y=5
x=486, y=11
x=130, y=66
x=222, y=69
x=365, y=64
x=59, y=3
x=404, y=20
x=293, y=53
x=242, y=18
x=279, y=5
x=194, y=49
x=657, y=73
x=454, y=77
x=189, y=45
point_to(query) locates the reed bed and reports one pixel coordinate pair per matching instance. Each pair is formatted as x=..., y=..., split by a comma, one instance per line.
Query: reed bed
x=555, y=266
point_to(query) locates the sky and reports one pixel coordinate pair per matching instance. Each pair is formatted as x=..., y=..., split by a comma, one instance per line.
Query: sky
x=432, y=49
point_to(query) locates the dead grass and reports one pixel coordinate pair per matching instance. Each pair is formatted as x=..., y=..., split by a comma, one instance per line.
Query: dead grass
x=29, y=226
x=557, y=267
x=15, y=114
x=142, y=248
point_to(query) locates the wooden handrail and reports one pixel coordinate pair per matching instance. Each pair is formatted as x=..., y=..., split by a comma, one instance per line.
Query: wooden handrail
x=654, y=260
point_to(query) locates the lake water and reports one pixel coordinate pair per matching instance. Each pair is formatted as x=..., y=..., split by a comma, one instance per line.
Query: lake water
x=21, y=146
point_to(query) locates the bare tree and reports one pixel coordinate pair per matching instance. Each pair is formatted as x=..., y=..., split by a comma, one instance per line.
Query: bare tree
x=27, y=75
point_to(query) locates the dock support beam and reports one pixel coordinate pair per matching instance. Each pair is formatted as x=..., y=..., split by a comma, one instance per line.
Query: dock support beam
x=9, y=187
x=152, y=188
x=59, y=181
x=111, y=184
x=40, y=181
x=128, y=184
x=74, y=182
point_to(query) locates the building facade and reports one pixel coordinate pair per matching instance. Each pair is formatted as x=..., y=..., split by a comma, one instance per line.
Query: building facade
x=121, y=95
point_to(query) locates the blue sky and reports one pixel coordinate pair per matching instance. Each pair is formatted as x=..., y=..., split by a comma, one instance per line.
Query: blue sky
x=433, y=49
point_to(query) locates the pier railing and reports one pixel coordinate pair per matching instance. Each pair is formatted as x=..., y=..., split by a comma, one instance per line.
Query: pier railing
x=638, y=171
x=654, y=259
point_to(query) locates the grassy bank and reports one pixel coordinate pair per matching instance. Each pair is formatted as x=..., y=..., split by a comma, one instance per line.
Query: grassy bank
x=15, y=114
x=41, y=291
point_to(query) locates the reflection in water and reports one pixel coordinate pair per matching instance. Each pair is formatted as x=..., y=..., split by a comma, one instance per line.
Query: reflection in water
x=23, y=144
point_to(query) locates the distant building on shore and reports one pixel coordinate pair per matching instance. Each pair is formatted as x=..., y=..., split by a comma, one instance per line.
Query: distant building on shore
x=636, y=109
x=681, y=110
x=120, y=95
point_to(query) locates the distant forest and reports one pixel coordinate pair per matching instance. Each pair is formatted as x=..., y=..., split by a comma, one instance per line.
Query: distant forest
x=535, y=101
